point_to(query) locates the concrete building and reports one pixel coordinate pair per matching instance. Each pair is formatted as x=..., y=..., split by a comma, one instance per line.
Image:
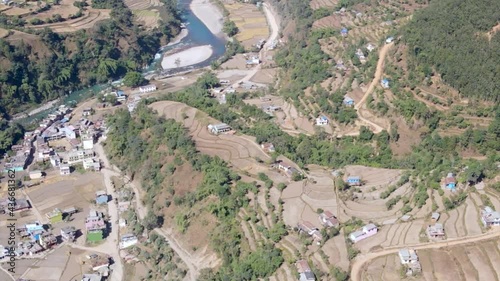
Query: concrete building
x=77, y=156
x=219, y=128
x=55, y=216
x=407, y=256
x=321, y=121
x=128, y=240
x=64, y=169
x=148, y=88
x=328, y=219
x=367, y=231
x=37, y=174
x=435, y=231
x=489, y=217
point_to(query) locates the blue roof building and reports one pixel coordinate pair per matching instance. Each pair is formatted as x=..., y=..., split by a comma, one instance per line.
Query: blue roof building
x=344, y=31
x=354, y=180
x=348, y=101
x=385, y=83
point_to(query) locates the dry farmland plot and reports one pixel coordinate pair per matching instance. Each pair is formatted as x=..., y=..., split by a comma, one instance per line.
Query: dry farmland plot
x=149, y=18
x=65, y=9
x=250, y=21
x=3, y=33
x=316, y=4
x=87, y=21
x=470, y=262
x=135, y=5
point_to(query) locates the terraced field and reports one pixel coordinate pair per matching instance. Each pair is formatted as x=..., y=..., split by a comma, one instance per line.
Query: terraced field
x=470, y=262
x=316, y=4
x=85, y=22
x=251, y=23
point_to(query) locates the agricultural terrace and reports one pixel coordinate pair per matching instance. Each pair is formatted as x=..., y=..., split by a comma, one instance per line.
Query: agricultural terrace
x=251, y=23
x=477, y=261
x=146, y=12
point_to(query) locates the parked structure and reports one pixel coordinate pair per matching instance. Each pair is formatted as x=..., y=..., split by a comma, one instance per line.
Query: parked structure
x=489, y=217
x=367, y=231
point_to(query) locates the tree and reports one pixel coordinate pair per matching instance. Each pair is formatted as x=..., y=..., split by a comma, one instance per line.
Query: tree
x=133, y=79
x=230, y=28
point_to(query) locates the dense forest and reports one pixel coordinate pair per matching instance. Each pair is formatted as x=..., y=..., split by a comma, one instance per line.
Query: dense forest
x=58, y=63
x=454, y=37
x=140, y=145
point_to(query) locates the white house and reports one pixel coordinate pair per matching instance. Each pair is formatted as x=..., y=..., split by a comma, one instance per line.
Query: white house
x=389, y=40
x=219, y=128
x=147, y=88
x=90, y=164
x=367, y=231
x=489, y=217
x=385, y=83
x=408, y=256
x=36, y=175
x=77, y=156
x=321, y=121
x=88, y=142
x=128, y=240
x=64, y=169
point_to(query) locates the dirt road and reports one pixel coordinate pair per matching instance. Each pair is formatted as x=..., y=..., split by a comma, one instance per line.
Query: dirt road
x=183, y=254
x=273, y=25
x=361, y=260
x=111, y=245
x=378, y=74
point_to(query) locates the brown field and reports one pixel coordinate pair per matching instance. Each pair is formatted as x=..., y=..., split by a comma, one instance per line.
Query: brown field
x=148, y=18
x=250, y=21
x=240, y=151
x=3, y=33
x=477, y=261
x=316, y=4
x=87, y=21
x=65, y=9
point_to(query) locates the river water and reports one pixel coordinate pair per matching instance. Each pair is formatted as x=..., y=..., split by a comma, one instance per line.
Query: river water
x=198, y=34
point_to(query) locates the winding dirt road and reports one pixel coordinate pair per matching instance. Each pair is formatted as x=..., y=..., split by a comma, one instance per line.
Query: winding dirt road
x=363, y=259
x=273, y=25
x=378, y=74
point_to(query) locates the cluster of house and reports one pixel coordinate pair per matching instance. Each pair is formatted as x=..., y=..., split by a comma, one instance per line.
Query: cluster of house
x=220, y=128
x=326, y=218
x=409, y=259
x=100, y=266
x=305, y=272
x=365, y=232
x=35, y=239
x=436, y=230
x=95, y=226
x=80, y=136
x=18, y=205
x=323, y=120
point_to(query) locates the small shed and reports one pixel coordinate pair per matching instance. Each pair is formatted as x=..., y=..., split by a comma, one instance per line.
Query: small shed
x=344, y=32
x=435, y=216
x=354, y=180
x=101, y=197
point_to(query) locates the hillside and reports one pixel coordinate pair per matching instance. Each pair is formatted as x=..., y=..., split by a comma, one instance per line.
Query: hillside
x=40, y=65
x=459, y=39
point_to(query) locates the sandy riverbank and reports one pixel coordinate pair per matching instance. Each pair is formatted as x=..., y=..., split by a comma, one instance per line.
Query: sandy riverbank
x=209, y=14
x=184, y=32
x=187, y=57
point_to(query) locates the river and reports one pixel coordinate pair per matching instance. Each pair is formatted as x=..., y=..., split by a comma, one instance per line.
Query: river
x=198, y=35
